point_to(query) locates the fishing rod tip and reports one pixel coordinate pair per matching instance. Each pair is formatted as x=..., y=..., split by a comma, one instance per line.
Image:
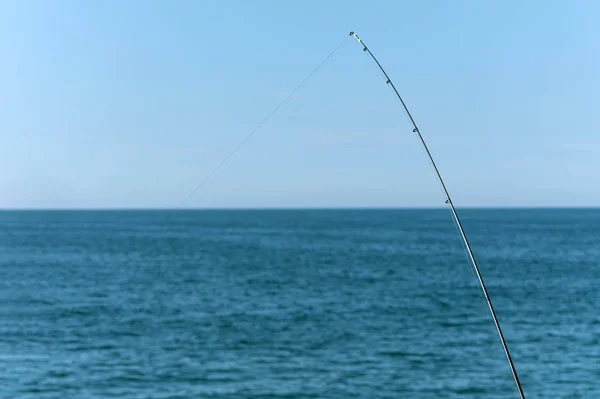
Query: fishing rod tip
x=352, y=33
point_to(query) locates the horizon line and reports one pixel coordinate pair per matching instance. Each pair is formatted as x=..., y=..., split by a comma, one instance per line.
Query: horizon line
x=299, y=208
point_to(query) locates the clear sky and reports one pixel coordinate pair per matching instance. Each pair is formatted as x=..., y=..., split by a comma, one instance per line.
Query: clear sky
x=132, y=103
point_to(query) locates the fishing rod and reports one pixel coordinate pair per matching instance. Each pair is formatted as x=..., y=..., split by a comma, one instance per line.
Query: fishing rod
x=454, y=216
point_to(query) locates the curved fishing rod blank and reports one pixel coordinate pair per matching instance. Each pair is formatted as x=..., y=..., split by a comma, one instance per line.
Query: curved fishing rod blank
x=455, y=217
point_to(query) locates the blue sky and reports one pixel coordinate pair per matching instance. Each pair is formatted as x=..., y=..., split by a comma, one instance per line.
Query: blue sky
x=131, y=104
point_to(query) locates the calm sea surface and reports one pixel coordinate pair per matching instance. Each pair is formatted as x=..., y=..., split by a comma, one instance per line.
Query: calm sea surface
x=297, y=304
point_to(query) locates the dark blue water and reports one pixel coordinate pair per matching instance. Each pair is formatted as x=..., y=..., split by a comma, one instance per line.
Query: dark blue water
x=297, y=304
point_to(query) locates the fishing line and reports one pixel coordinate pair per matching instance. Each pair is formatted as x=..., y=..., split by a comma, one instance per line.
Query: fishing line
x=232, y=153
x=455, y=217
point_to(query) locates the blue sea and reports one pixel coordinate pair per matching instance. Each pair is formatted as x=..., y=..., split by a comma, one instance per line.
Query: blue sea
x=297, y=304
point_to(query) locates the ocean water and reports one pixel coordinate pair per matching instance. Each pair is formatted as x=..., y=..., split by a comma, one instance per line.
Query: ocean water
x=297, y=304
